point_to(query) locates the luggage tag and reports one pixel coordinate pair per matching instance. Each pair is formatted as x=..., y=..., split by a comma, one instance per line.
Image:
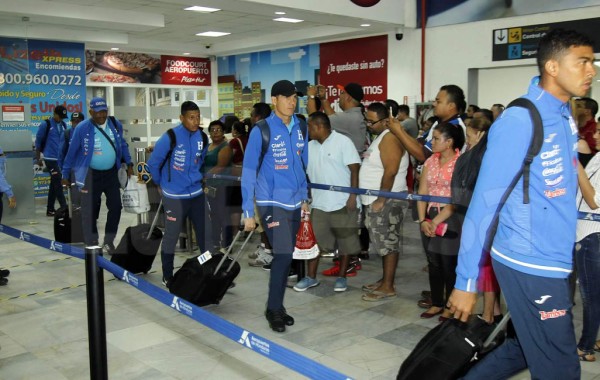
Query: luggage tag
x=204, y=257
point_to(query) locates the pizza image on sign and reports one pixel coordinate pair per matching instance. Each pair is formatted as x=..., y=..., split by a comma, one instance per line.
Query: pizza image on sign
x=111, y=78
x=130, y=63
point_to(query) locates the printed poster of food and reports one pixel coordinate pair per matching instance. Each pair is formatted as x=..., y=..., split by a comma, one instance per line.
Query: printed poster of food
x=362, y=60
x=121, y=67
x=186, y=71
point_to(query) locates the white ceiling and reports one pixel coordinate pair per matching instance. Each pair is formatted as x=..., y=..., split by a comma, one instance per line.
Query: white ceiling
x=163, y=27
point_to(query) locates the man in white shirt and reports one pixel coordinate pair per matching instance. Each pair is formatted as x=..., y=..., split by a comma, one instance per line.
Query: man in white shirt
x=332, y=160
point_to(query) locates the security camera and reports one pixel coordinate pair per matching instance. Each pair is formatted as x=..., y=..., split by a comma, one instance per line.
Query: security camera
x=399, y=33
x=208, y=46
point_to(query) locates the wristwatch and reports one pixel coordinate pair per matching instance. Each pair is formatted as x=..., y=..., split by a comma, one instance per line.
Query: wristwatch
x=311, y=96
x=307, y=201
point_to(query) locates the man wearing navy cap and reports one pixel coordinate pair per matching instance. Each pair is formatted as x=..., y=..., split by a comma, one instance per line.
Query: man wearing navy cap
x=47, y=142
x=280, y=188
x=95, y=154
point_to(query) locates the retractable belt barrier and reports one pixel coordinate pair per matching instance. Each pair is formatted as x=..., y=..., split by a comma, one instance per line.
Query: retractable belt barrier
x=403, y=195
x=248, y=339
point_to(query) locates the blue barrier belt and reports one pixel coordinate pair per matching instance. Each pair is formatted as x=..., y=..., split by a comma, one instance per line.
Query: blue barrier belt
x=248, y=339
x=399, y=195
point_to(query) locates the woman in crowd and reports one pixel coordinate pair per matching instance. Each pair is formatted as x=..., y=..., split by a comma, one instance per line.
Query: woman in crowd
x=587, y=255
x=238, y=147
x=439, y=225
x=218, y=161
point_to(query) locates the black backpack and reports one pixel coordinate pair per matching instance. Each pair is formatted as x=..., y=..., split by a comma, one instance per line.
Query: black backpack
x=265, y=133
x=173, y=143
x=467, y=166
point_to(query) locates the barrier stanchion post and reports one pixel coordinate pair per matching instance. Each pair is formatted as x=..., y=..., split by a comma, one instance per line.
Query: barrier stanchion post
x=94, y=279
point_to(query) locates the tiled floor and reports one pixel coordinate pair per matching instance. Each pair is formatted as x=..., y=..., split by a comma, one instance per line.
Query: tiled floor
x=43, y=332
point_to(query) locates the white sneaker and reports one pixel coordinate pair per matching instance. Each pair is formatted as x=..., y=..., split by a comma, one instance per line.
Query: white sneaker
x=262, y=259
x=255, y=254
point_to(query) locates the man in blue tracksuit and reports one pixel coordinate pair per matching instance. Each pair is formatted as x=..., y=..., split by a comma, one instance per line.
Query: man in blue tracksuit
x=178, y=175
x=532, y=249
x=47, y=141
x=280, y=188
x=95, y=154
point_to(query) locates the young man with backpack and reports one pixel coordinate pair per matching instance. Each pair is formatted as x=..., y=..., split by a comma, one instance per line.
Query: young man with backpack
x=175, y=166
x=47, y=141
x=277, y=179
x=532, y=248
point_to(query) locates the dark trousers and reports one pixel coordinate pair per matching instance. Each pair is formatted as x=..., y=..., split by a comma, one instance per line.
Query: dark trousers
x=96, y=183
x=176, y=212
x=587, y=255
x=281, y=227
x=220, y=216
x=442, y=276
x=55, y=192
x=540, y=309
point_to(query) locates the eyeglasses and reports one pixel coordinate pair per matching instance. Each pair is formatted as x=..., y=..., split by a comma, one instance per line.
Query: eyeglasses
x=372, y=123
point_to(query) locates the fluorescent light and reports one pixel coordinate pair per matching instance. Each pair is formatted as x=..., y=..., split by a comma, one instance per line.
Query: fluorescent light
x=279, y=13
x=285, y=19
x=212, y=34
x=365, y=25
x=187, y=53
x=201, y=9
x=114, y=49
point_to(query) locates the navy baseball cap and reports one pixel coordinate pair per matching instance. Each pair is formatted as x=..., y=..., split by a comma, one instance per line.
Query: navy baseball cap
x=98, y=104
x=283, y=87
x=61, y=111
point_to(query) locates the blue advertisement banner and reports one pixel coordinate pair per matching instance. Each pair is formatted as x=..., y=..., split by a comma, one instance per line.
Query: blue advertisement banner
x=35, y=77
x=40, y=75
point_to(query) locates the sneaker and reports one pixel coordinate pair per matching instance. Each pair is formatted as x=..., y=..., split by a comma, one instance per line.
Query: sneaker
x=341, y=284
x=262, y=260
x=276, y=320
x=335, y=271
x=327, y=254
x=4, y=272
x=356, y=262
x=267, y=267
x=108, y=248
x=306, y=283
x=255, y=254
x=3, y=281
x=50, y=213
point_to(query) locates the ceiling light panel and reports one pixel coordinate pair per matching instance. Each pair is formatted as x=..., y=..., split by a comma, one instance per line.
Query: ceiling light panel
x=201, y=9
x=212, y=34
x=287, y=19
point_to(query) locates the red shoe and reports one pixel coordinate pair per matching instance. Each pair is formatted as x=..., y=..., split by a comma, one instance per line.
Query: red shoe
x=335, y=271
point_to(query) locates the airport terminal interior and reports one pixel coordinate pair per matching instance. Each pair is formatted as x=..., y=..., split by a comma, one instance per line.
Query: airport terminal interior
x=43, y=320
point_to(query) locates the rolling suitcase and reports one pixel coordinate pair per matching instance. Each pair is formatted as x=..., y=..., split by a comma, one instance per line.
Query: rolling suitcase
x=451, y=348
x=138, y=247
x=204, y=279
x=67, y=222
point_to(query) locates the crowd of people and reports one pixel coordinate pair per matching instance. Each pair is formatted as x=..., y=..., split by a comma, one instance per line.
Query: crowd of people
x=276, y=154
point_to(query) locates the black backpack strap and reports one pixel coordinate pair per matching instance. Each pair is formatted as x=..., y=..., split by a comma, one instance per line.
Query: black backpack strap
x=265, y=133
x=535, y=145
x=173, y=142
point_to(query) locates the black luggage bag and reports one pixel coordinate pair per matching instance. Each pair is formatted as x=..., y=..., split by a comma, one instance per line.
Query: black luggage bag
x=206, y=282
x=138, y=247
x=451, y=348
x=135, y=253
x=67, y=223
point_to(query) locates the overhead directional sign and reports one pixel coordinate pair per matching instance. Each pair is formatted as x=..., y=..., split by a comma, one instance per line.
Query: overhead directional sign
x=521, y=42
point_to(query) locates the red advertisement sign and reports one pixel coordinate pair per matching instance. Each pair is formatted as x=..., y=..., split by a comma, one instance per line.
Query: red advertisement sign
x=185, y=70
x=362, y=60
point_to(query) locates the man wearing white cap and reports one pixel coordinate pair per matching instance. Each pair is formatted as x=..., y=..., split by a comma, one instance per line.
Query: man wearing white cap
x=95, y=154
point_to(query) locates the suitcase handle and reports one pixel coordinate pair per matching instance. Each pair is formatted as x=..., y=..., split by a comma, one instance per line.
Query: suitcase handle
x=237, y=256
x=154, y=221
